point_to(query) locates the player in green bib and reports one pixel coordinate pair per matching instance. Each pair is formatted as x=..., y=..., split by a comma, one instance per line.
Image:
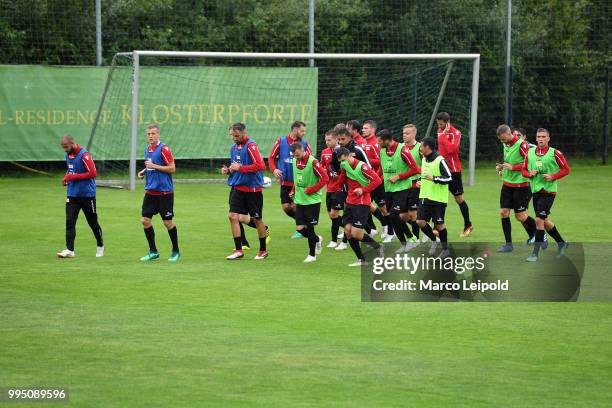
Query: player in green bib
x=409, y=134
x=309, y=177
x=398, y=167
x=433, y=197
x=515, y=193
x=543, y=166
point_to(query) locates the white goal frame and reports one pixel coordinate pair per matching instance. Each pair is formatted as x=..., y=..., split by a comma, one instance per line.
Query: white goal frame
x=304, y=56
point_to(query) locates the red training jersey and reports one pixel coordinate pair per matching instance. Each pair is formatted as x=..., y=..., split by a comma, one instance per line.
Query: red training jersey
x=257, y=165
x=334, y=184
x=87, y=162
x=365, y=198
x=448, y=146
x=372, y=150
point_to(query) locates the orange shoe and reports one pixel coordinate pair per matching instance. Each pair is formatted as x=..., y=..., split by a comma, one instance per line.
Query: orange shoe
x=467, y=231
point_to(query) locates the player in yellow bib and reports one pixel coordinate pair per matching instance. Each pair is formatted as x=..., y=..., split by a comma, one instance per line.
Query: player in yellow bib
x=515, y=192
x=544, y=166
x=433, y=197
x=309, y=178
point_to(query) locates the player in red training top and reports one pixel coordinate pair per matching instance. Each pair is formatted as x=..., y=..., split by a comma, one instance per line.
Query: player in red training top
x=361, y=180
x=355, y=129
x=449, y=139
x=335, y=196
x=378, y=207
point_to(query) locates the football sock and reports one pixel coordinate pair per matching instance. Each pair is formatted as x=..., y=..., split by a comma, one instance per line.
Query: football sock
x=150, y=234
x=174, y=238
x=507, y=228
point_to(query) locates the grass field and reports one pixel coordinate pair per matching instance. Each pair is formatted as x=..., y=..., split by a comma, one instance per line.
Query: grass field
x=208, y=332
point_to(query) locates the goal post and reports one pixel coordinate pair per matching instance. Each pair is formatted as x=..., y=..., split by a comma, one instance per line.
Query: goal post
x=138, y=56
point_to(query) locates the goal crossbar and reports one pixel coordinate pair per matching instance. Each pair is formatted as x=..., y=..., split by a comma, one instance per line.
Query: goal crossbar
x=301, y=56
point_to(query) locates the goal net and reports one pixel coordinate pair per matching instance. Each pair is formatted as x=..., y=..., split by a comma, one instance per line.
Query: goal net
x=195, y=97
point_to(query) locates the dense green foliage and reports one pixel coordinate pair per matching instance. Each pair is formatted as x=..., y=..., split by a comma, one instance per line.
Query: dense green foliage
x=560, y=48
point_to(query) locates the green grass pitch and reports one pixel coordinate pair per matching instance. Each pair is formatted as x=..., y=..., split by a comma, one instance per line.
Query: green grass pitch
x=208, y=332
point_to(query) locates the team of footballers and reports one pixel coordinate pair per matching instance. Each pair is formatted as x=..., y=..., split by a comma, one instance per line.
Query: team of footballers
x=366, y=172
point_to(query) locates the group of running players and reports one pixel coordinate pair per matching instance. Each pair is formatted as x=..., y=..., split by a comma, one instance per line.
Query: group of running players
x=367, y=174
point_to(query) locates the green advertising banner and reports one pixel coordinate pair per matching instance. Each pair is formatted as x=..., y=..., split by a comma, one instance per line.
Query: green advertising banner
x=194, y=106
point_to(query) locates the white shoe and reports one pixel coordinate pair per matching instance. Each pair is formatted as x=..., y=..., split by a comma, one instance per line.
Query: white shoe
x=310, y=259
x=341, y=247
x=341, y=235
x=424, y=238
x=358, y=262
x=318, y=246
x=100, y=252
x=388, y=238
x=385, y=230
x=401, y=249
x=66, y=253
x=373, y=233
x=332, y=244
x=235, y=255
x=434, y=245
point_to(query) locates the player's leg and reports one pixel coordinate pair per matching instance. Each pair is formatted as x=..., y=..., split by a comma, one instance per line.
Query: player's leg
x=522, y=195
x=167, y=215
x=72, y=214
x=456, y=189
x=333, y=211
x=438, y=220
x=542, y=208
x=551, y=229
x=91, y=214
x=150, y=207
x=423, y=217
x=413, y=205
x=506, y=202
x=255, y=214
x=238, y=210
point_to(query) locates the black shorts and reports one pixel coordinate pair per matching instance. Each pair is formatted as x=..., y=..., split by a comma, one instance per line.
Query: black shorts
x=356, y=215
x=284, y=194
x=413, y=199
x=75, y=204
x=433, y=212
x=243, y=202
x=456, y=185
x=162, y=204
x=542, y=203
x=516, y=198
x=397, y=201
x=307, y=214
x=335, y=200
x=378, y=195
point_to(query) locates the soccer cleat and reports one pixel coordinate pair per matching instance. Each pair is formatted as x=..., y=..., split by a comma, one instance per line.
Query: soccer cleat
x=402, y=249
x=341, y=235
x=318, y=245
x=414, y=241
x=296, y=235
x=341, y=246
x=332, y=244
x=151, y=256
x=261, y=255
x=358, y=262
x=505, y=248
x=388, y=238
x=561, y=249
x=267, y=235
x=444, y=254
x=434, y=246
x=373, y=233
x=384, y=232
x=531, y=240
x=66, y=253
x=235, y=255
x=532, y=258
x=174, y=257
x=467, y=231
x=99, y=252
x=245, y=247
x=310, y=258
x=424, y=238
